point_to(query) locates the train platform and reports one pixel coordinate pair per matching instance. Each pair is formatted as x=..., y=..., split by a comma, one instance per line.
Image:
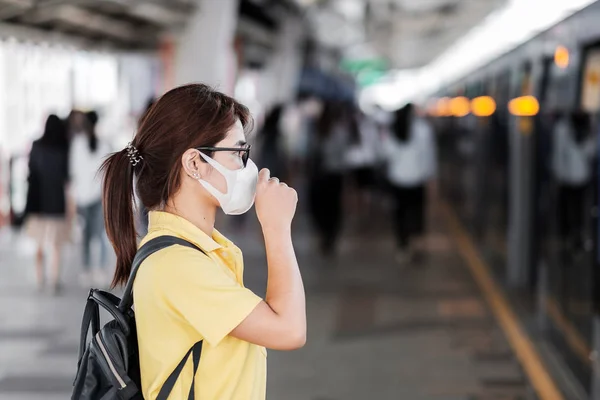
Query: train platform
x=437, y=330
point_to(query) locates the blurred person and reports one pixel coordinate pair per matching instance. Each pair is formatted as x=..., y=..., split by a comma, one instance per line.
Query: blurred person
x=382, y=120
x=411, y=163
x=77, y=123
x=327, y=166
x=298, y=123
x=361, y=158
x=48, y=210
x=545, y=124
x=573, y=150
x=272, y=151
x=189, y=158
x=86, y=156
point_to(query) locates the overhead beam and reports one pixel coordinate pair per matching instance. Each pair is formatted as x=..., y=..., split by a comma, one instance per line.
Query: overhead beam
x=18, y=3
x=13, y=8
x=170, y=14
x=89, y=21
x=21, y=32
x=162, y=14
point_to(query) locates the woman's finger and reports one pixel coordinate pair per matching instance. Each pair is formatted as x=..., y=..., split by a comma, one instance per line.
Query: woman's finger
x=264, y=175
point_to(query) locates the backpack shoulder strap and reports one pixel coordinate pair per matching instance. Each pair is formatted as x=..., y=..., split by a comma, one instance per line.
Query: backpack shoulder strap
x=144, y=252
x=165, y=391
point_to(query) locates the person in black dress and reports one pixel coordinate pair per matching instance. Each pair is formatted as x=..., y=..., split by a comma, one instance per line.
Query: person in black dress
x=47, y=206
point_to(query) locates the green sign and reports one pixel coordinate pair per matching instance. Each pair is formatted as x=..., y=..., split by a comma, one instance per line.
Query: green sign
x=365, y=71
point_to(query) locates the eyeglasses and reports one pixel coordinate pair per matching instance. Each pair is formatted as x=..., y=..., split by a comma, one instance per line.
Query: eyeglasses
x=244, y=151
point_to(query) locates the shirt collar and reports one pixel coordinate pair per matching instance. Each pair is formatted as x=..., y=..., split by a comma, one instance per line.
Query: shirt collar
x=160, y=221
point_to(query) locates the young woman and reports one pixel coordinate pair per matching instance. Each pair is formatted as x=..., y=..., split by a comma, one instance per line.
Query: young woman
x=47, y=206
x=85, y=158
x=189, y=158
x=411, y=164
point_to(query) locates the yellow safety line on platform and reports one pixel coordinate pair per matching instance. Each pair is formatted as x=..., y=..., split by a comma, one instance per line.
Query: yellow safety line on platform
x=519, y=340
x=574, y=339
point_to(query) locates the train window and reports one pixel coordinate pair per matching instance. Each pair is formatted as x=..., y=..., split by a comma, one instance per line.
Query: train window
x=590, y=93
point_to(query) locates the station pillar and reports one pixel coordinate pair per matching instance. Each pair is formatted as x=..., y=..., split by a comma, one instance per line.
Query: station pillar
x=204, y=51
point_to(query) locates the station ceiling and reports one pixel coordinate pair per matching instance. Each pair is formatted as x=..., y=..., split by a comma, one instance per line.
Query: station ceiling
x=121, y=23
x=407, y=33
x=134, y=24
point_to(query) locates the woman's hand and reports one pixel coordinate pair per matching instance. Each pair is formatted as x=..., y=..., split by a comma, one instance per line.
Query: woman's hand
x=279, y=322
x=275, y=202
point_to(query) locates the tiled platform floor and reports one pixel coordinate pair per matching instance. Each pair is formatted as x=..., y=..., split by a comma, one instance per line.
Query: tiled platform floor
x=377, y=330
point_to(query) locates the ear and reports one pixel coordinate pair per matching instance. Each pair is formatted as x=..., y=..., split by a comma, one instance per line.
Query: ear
x=193, y=165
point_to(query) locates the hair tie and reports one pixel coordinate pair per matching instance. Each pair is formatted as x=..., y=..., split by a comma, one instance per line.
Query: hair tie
x=134, y=155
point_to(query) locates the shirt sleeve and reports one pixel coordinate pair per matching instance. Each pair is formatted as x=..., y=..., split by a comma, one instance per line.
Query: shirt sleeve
x=205, y=295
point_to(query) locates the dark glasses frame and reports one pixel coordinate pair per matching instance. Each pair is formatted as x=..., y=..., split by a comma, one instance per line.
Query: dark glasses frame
x=244, y=149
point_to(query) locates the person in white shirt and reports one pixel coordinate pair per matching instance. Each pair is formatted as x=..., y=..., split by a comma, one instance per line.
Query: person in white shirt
x=86, y=156
x=410, y=154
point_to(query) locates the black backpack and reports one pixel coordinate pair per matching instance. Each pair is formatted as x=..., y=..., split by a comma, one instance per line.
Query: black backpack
x=108, y=366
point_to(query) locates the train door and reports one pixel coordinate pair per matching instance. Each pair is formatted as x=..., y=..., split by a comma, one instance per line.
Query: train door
x=473, y=149
x=521, y=183
x=581, y=200
x=569, y=246
x=495, y=183
x=590, y=103
x=541, y=177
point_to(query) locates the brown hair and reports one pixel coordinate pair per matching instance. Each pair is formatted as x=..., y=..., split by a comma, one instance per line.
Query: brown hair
x=189, y=116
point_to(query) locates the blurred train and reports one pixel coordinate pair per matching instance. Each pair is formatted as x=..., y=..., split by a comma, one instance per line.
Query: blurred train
x=523, y=177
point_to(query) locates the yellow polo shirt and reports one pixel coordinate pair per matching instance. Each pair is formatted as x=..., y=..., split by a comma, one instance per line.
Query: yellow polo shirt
x=182, y=296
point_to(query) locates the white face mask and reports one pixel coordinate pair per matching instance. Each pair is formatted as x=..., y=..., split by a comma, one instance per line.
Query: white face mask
x=241, y=187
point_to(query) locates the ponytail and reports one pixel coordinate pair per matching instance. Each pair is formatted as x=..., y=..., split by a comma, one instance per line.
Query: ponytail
x=118, y=212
